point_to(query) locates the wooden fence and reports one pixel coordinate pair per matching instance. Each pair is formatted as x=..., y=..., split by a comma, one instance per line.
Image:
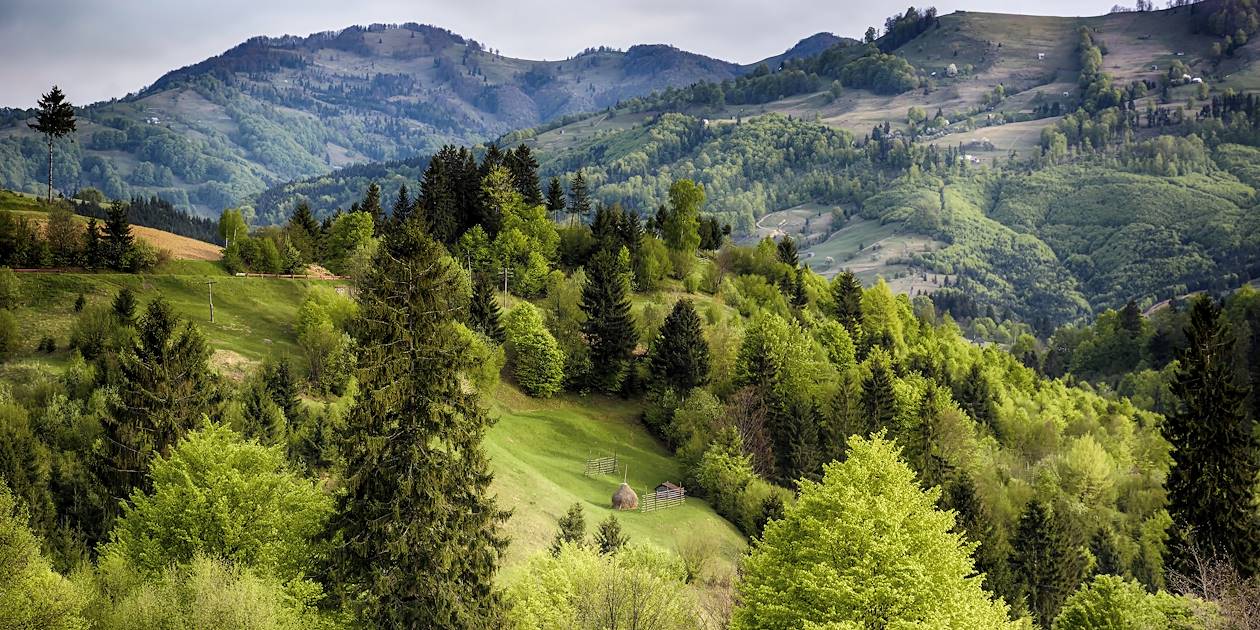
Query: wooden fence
x=662, y=500
x=600, y=466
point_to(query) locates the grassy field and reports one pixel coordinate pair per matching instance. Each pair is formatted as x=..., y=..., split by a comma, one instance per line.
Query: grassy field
x=538, y=450
x=872, y=250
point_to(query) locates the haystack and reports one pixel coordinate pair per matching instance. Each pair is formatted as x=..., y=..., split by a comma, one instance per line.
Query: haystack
x=625, y=498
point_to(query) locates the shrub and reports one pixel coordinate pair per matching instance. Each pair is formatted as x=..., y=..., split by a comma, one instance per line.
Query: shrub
x=537, y=361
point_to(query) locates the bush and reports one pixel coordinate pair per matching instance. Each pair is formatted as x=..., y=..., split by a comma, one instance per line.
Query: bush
x=8, y=334
x=1113, y=603
x=10, y=289
x=537, y=361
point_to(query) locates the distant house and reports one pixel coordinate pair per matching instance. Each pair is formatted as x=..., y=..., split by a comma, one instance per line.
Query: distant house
x=1041, y=56
x=669, y=489
x=1196, y=80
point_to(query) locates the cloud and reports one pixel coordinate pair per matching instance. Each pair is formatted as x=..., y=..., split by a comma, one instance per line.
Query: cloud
x=100, y=50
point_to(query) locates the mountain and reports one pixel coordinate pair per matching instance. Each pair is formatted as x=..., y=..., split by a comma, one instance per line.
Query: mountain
x=270, y=110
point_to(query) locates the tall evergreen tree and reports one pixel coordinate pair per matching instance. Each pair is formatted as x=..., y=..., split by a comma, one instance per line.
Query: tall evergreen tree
x=371, y=204
x=975, y=395
x=572, y=529
x=1211, y=488
x=524, y=168
x=609, y=327
x=484, y=310
x=1047, y=564
x=977, y=522
x=165, y=388
x=416, y=531
x=787, y=252
x=555, y=198
x=402, y=206
x=92, y=245
x=579, y=198
x=441, y=190
x=282, y=387
x=304, y=232
x=609, y=537
x=846, y=292
x=118, y=238
x=680, y=354
x=1131, y=319
x=124, y=306
x=55, y=119
x=878, y=399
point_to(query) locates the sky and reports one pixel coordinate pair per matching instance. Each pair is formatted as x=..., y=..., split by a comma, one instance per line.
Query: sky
x=100, y=49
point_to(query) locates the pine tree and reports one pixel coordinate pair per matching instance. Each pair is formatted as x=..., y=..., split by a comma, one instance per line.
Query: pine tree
x=1107, y=560
x=54, y=120
x=1211, y=487
x=799, y=298
x=680, y=355
x=305, y=232
x=118, y=238
x=923, y=448
x=484, y=312
x=878, y=399
x=975, y=395
x=579, y=198
x=165, y=387
x=282, y=387
x=846, y=291
x=263, y=420
x=787, y=252
x=555, y=198
x=124, y=306
x=1047, y=564
x=402, y=207
x=417, y=533
x=1131, y=319
x=441, y=192
x=609, y=538
x=976, y=521
x=92, y=246
x=609, y=327
x=524, y=168
x=371, y=204
x=572, y=529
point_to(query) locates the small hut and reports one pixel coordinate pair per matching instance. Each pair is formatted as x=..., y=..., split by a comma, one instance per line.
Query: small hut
x=625, y=498
x=669, y=490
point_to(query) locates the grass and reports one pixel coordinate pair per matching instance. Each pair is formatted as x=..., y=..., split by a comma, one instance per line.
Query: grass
x=253, y=316
x=538, y=450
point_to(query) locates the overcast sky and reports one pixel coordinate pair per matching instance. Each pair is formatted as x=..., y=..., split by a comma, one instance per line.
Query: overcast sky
x=98, y=49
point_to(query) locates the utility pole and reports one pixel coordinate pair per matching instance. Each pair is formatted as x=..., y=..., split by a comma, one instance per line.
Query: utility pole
x=210, y=288
x=507, y=273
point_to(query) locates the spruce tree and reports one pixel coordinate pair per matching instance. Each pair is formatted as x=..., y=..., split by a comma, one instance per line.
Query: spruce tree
x=1211, y=487
x=609, y=327
x=799, y=298
x=878, y=400
x=579, y=198
x=524, y=168
x=402, y=207
x=846, y=292
x=92, y=246
x=165, y=388
x=124, y=306
x=484, y=312
x=1046, y=564
x=441, y=191
x=118, y=238
x=371, y=204
x=282, y=387
x=680, y=355
x=555, y=198
x=977, y=523
x=305, y=232
x=1131, y=319
x=609, y=537
x=572, y=529
x=416, y=532
x=975, y=395
x=55, y=119
x=787, y=252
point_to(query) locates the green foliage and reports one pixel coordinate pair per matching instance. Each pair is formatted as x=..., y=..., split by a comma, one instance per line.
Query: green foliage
x=350, y=244
x=32, y=595
x=1113, y=603
x=680, y=355
x=609, y=538
x=609, y=329
x=572, y=530
x=391, y=572
x=681, y=230
x=218, y=496
x=537, y=362
x=1048, y=561
x=865, y=547
x=580, y=588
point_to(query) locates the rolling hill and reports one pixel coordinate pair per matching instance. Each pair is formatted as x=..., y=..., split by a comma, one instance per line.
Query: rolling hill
x=209, y=135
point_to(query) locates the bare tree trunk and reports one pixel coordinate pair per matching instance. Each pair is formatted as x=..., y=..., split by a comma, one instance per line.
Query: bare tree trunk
x=50, y=151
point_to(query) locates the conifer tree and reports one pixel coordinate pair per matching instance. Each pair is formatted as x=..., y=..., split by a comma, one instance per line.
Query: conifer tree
x=1211, y=487
x=79, y=303
x=846, y=291
x=609, y=537
x=579, y=198
x=555, y=198
x=416, y=533
x=524, y=168
x=609, y=327
x=975, y=395
x=799, y=298
x=1131, y=319
x=92, y=246
x=441, y=190
x=371, y=204
x=165, y=388
x=484, y=310
x=304, y=232
x=118, y=238
x=55, y=119
x=787, y=252
x=680, y=355
x=282, y=387
x=124, y=306
x=572, y=529
x=878, y=400
x=976, y=521
x=1047, y=564
x=402, y=207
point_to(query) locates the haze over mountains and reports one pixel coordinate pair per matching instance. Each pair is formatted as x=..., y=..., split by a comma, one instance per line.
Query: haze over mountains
x=270, y=110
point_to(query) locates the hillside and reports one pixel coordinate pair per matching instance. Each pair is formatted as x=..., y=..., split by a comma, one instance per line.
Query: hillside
x=209, y=135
